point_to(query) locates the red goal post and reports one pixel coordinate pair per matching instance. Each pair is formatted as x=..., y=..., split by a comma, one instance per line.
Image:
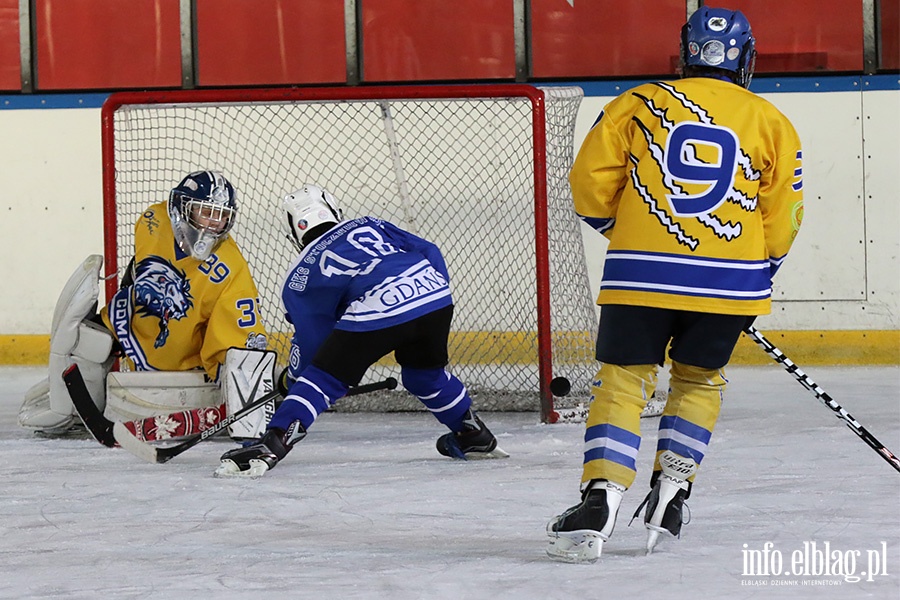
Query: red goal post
x=481, y=170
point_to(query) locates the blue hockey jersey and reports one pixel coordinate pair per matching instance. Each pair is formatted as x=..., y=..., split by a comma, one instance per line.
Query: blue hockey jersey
x=361, y=275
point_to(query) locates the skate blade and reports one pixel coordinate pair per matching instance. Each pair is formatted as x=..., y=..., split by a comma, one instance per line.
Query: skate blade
x=654, y=408
x=495, y=453
x=73, y=431
x=580, y=547
x=653, y=536
x=228, y=469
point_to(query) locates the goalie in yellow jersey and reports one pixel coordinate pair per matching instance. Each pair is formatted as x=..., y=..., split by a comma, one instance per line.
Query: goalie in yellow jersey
x=186, y=298
x=697, y=184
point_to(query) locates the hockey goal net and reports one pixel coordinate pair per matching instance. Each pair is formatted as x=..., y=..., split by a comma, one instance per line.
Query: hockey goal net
x=480, y=170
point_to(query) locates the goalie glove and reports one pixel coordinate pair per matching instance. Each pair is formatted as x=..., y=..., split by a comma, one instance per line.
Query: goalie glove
x=254, y=460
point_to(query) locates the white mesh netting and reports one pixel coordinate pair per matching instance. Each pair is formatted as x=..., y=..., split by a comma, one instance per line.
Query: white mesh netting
x=458, y=171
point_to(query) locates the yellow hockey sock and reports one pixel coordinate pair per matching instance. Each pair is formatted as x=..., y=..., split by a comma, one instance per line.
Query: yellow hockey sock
x=613, y=433
x=686, y=425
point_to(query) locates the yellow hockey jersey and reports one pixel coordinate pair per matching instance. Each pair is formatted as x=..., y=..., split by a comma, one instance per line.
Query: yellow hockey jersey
x=697, y=183
x=179, y=313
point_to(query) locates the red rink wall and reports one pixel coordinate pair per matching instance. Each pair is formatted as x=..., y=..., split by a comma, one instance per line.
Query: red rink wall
x=119, y=44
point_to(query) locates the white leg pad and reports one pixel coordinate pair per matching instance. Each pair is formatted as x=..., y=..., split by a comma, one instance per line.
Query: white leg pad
x=136, y=395
x=94, y=344
x=77, y=301
x=91, y=352
x=35, y=412
x=248, y=375
x=47, y=405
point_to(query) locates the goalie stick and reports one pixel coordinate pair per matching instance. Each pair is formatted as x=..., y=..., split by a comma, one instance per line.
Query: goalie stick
x=823, y=397
x=109, y=434
x=99, y=426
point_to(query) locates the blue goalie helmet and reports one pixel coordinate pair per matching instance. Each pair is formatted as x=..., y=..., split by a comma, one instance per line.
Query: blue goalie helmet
x=202, y=209
x=720, y=38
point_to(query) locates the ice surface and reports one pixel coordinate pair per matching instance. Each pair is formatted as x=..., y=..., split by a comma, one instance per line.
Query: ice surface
x=365, y=508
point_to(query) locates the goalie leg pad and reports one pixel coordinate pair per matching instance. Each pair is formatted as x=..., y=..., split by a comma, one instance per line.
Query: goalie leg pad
x=92, y=353
x=35, y=411
x=47, y=406
x=77, y=301
x=137, y=395
x=247, y=376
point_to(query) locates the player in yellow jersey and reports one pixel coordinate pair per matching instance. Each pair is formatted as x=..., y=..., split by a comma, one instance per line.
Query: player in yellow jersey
x=697, y=184
x=186, y=298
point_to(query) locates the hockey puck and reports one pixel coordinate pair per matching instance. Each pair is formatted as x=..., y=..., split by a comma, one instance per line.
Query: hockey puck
x=391, y=383
x=560, y=386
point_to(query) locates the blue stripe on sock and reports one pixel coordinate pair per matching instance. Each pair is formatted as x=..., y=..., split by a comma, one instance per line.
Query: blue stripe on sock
x=686, y=427
x=610, y=455
x=679, y=449
x=614, y=433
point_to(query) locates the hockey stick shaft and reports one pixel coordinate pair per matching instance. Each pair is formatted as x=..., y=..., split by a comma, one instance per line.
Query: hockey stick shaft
x=141, y=449
x=823, y=397
x=97, y=425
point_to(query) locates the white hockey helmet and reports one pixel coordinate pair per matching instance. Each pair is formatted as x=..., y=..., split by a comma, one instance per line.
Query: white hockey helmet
x=202, y=209
x=305, y=210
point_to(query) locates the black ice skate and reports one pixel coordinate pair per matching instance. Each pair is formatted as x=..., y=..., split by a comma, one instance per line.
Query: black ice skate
x=254, y=460
x=578, y=534
x=474, y=441
x=665, y=502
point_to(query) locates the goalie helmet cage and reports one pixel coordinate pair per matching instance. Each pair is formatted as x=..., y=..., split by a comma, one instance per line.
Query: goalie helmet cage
x=481, y=170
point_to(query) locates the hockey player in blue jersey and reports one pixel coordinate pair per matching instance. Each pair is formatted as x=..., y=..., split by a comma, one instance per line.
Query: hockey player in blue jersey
x=359, y=290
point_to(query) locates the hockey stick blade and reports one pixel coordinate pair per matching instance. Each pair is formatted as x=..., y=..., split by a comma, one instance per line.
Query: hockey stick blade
x=807, y=382
x=99, y=426
x=155, y=454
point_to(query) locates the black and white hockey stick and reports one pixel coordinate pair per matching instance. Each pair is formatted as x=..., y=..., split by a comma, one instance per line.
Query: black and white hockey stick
x=819, y=393
x=155, y=454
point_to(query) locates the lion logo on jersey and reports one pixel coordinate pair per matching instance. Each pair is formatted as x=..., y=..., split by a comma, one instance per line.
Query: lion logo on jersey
x=163, y=292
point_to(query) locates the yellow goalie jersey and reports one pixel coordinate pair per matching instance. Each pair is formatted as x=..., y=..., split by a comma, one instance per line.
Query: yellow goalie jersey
x=697, y=184
x=178, y=313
